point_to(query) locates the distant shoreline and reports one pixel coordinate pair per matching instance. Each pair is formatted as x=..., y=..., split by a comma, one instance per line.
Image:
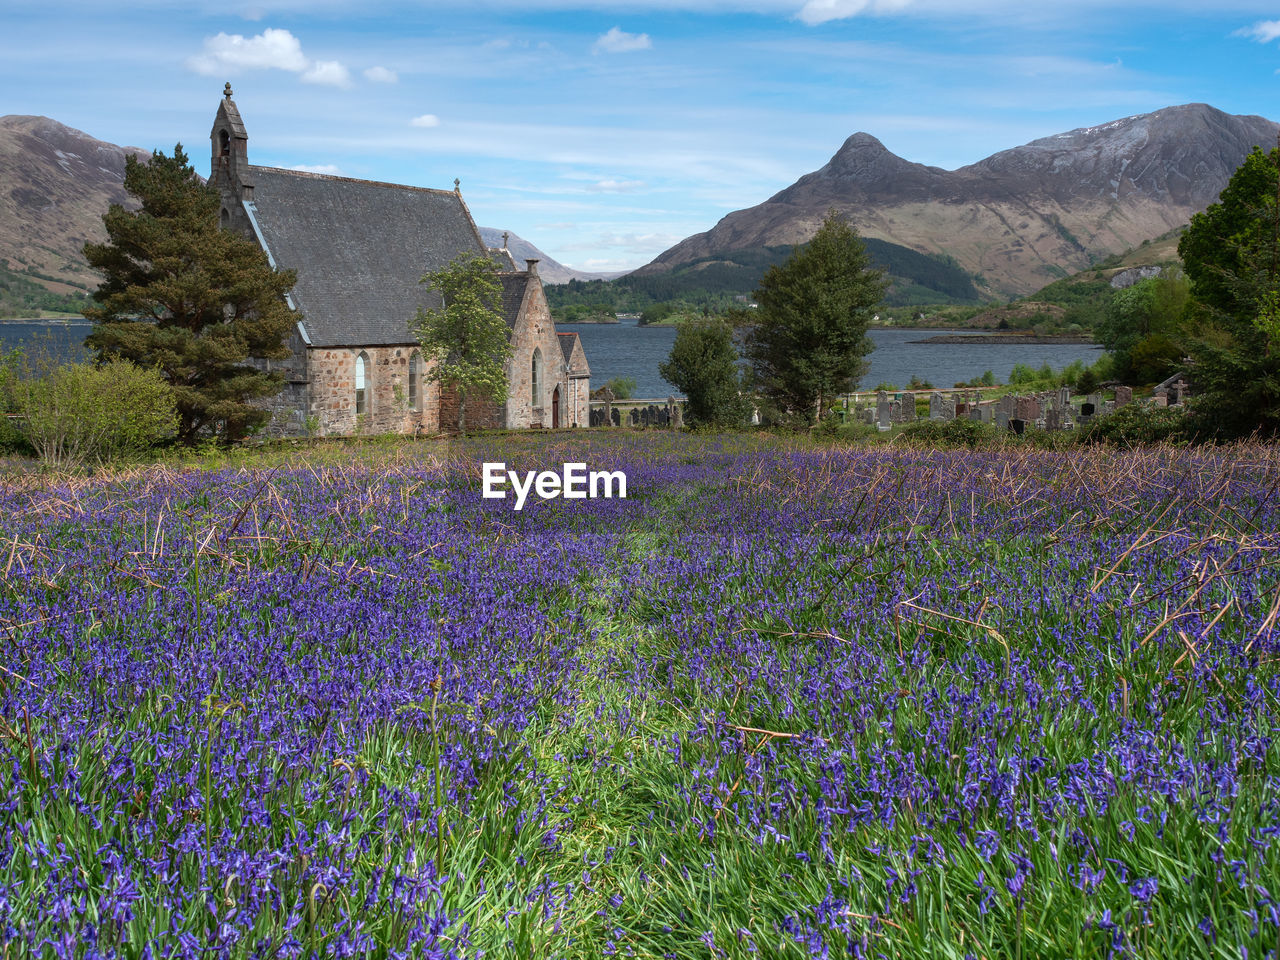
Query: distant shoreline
x=1011, y=339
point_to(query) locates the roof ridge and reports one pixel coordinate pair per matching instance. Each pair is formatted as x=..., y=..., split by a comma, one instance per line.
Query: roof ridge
x=307, y=174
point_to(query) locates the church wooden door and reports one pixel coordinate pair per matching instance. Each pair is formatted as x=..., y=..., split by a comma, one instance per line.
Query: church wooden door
x=555, y=409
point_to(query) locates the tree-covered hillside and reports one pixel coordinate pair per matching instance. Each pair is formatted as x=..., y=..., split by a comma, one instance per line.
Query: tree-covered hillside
x=714, y=282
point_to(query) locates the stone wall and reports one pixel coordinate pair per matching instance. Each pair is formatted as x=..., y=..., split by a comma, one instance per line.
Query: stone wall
x=537, y=332
x=387, y=410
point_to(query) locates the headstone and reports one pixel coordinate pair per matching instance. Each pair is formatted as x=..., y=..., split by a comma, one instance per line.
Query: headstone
x=907, y=410
x=975, y=414
x=1028, y=408
x=615, y=416
x=1053, y=419
x=1161, y=397
x=884, y=410
x=1064, y=398
x=1008, y=404
x=610, y=418
x=1018, y=425
x=1001, y=419
x=1087, y=410
x=1124, y=396
x=935, y=406
x=635, y=417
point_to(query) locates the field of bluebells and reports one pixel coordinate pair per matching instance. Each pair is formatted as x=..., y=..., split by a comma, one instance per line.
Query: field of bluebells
x=783, y=701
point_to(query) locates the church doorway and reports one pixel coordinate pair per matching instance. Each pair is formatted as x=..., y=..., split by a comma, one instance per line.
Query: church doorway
x=555, y=408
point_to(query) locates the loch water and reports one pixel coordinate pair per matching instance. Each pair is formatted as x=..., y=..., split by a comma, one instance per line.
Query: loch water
x=626, y=349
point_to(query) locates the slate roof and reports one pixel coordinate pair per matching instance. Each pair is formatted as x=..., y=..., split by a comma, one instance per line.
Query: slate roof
x=514, y=286
x=571, y=343
x=360, y=248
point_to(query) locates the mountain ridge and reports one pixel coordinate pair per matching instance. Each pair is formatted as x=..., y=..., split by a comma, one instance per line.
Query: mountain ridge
x=1018, y=218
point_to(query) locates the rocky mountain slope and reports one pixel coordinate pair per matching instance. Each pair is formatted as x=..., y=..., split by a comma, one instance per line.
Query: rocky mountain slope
x=1021, y=217
x=55, y=184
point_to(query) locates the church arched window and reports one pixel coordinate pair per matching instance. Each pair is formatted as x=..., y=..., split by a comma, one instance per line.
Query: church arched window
x=535, y=378
x=224, y=143
x=362, y=392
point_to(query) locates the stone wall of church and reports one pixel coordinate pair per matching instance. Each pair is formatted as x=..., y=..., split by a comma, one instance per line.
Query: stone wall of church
x=387, y=406
x=537, y=332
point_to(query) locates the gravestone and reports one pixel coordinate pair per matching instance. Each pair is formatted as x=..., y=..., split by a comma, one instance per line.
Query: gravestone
x=907, y=408
x=1064, y=398
x=1001, y=419
x=1018, y=425
x=1053, y=419
x=1124, y=396
x=610, y=418
x=1028, y=408
x=615, y=417
x=1161, y=397
x=884, y=410
x=935, y=406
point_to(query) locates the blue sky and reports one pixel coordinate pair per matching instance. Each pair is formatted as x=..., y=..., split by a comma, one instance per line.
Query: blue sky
x=604, y=132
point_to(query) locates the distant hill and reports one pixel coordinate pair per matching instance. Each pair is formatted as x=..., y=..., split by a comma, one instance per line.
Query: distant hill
x=55, y=184
x=1020, y=218
x=550, y=270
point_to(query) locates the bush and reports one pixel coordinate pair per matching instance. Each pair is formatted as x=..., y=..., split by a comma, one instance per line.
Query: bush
x=961, y=432
x=79, y=413
x=1136, y=424
x=624, y=388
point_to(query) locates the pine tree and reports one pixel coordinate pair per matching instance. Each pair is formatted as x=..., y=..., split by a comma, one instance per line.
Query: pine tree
x=184, y=296
x=467, y=337
x=809, y=338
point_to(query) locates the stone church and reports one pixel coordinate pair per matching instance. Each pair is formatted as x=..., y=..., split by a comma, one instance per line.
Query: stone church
x=360, y=247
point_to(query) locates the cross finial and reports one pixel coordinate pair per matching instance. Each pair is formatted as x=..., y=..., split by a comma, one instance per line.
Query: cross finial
x=457, y=185
x=226, y=91
x=504, y=240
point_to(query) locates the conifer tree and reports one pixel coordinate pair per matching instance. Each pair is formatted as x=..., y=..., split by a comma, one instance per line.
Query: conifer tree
x=809, y=337
x=184, y=296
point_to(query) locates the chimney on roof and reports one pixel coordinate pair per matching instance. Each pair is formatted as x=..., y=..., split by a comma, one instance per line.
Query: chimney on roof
x=532, y=266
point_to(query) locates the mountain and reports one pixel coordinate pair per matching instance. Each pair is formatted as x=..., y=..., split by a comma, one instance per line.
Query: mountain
x=55, y=184
x=550, y=270
x=1020, y=218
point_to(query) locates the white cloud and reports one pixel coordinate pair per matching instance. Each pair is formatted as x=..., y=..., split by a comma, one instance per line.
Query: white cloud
x=1264, y=31
x=820, y=11
x=619, y=41
x=426, y=120
x=381, y=75
x=271, y=49
x=329, y=73
x=616, y=186
x=330, y=169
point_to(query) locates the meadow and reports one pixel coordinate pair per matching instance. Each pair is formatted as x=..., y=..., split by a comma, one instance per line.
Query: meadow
x=785, y=700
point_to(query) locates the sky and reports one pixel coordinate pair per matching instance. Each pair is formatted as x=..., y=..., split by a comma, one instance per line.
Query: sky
x=605, y=132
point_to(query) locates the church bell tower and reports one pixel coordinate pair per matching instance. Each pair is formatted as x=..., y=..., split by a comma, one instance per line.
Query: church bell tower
x=229, y=163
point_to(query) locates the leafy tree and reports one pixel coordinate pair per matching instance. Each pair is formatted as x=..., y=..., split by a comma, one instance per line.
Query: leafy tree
x=1143, y=326
x=623, y=388
x=703, y=365
x=809, y=338
x=1231, y=253
x=189, y=299
x=467, y=336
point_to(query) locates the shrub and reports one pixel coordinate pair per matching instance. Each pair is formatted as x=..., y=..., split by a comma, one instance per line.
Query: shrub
x=1137, y=424
x=961, y=432
x=624, y=388
x=79, y=413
